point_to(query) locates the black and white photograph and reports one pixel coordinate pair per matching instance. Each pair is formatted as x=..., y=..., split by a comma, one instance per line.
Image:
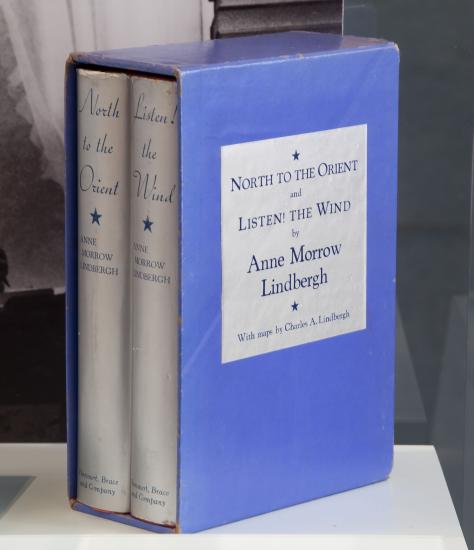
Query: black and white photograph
x=35, y=39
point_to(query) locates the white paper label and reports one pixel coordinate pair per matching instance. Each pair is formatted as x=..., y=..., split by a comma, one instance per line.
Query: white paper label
x=293, y=240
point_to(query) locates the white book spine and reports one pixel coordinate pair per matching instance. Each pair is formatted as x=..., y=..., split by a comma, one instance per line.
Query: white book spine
x=154, y=275
x=103, y=290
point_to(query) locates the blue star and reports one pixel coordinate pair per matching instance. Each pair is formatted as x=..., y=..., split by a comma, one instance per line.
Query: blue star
x=296, y=155
x=294, y=306
x=96, y=216
x=147, y=224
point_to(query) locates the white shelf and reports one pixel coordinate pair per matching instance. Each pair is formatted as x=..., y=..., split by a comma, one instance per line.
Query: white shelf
x=413, y=509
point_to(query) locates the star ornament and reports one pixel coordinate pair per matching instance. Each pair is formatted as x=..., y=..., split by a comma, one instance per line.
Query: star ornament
x=294, y=306
x=147, y=223
x=96, y=216
x=296, y=155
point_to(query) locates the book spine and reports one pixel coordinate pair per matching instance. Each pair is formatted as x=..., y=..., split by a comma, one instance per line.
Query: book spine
x=103, y=290
x=154, y=275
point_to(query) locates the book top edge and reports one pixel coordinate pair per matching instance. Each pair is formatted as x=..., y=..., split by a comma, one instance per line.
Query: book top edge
x=102, y=74
x=173, y=59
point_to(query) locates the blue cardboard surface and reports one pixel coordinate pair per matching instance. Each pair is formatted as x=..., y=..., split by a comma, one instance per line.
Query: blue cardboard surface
x=70, y=138
x=292, y=425
x=173, y=58
x=126, y=519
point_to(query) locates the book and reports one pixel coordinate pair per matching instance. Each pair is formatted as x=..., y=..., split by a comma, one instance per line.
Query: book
x=103, y=463
x=286, y=164
x=154, y=203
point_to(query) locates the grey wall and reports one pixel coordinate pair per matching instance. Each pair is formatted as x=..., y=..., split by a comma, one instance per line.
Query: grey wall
x=436, y=41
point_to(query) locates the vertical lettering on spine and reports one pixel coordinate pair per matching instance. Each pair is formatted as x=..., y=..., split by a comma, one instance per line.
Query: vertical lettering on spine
x=103, y=296
x=154, y=200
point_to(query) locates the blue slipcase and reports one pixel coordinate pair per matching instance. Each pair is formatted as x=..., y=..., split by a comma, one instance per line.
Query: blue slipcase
x=287, y=426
